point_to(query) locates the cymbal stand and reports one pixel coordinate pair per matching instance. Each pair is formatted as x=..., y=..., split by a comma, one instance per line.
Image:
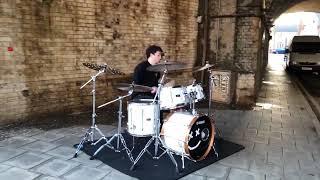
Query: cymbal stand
x=192, y=100
x=192, y=97
x=156, y=136
x=90, y=132
x=118, y=135
x=212, y=83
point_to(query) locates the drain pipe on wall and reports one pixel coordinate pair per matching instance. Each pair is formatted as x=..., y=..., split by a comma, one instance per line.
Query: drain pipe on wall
x=205, y=36
x=218, y=31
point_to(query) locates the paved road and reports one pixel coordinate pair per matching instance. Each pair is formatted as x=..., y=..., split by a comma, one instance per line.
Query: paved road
x=311, y=83
x=279, y=136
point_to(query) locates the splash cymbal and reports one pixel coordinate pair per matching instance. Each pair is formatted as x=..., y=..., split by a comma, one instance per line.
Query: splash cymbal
x=206, y=66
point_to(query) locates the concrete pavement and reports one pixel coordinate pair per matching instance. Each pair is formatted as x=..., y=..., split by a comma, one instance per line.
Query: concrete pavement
x=279, y=135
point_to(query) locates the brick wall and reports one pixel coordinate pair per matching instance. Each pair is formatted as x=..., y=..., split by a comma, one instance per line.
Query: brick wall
x=235, y=43
x=43, y=44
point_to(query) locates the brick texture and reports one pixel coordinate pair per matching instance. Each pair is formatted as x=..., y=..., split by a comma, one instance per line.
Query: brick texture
x=43, y=44
x=235, y=38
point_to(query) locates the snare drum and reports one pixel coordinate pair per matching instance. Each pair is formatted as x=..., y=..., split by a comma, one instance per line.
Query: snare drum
x=196, y=91
x=142, y=115
x=187, y=134
x=173, y=97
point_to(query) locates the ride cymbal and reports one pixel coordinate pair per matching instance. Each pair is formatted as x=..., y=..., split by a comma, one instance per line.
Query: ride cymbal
x=169, y=66
x=134, y=87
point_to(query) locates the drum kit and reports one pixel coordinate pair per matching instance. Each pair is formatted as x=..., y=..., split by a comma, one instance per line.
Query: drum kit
x=184, y=131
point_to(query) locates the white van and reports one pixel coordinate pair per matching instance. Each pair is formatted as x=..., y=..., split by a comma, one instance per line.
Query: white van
x=304, y=54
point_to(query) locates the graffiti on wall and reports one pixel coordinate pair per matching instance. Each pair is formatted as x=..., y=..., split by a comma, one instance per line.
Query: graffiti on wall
x=221, y=86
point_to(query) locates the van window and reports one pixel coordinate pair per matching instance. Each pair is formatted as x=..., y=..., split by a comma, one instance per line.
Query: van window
x=306, y=47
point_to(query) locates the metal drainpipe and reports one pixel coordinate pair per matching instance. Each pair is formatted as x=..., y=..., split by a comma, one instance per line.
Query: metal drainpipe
x=205, y=36
x=218, y=31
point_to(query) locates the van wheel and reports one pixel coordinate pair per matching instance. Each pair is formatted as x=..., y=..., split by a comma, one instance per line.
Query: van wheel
x=290, y=69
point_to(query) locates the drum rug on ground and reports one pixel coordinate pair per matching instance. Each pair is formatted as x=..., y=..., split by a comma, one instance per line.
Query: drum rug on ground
x=149, y=168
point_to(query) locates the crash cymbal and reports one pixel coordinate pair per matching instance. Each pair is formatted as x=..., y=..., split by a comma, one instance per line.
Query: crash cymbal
x=169, y=66
x=104, y=67
x=206, y=66
x=134, y=87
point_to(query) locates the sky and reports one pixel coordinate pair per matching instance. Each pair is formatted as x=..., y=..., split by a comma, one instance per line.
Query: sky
x=307, y=22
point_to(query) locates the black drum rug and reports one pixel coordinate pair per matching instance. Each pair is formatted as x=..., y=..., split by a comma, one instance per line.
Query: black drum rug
x=156, y=169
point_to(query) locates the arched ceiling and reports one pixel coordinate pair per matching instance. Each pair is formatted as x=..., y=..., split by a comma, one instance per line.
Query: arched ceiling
x=277, y=7
x=307, y=6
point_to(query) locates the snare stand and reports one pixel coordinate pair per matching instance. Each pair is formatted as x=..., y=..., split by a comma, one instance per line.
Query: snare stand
x=118, y=135
x=90, y=131
x=156, y=136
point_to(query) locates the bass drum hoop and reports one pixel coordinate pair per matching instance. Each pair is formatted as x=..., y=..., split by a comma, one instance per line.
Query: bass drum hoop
x=186, y=149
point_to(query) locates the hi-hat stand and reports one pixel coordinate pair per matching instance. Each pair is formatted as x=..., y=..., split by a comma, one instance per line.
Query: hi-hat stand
x=118, y=135
x=156, y=137
x=89, y=135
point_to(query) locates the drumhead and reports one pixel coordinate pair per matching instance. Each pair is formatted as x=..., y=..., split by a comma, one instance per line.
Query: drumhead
x=200, y=139
x=143, y=101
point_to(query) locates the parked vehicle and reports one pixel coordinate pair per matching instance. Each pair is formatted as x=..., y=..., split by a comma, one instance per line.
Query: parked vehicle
x=279, y=51
x=304, y=54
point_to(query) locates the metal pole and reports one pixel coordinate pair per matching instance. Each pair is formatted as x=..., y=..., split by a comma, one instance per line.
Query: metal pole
x=205, y=37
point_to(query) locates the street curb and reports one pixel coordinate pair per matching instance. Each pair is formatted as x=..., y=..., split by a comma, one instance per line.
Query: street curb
x=314, y=105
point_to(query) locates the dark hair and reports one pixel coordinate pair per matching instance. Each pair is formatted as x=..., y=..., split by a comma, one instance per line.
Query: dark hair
x=152, y=50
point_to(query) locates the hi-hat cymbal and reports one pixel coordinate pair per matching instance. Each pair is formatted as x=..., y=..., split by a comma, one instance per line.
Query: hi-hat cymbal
x=169, y=66
x=206, y=66
x=134, y=87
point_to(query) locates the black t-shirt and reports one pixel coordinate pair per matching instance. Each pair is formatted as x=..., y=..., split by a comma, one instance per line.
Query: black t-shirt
x=144, y=77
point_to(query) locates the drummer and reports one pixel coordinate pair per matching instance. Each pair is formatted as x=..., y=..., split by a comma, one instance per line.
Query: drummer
x=142, y=76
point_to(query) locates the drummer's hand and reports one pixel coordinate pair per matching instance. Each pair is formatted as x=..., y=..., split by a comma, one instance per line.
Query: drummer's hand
x=154, y=89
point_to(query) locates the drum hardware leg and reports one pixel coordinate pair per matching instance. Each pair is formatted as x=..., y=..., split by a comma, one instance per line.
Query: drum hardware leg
x=182, y=159
x=192, y=96
x=194, y=112
x=169, y=154
x=102, y=138
x=118, y=135
x=89, y=135
x=158, y=157
x=156, y=137
x=141, y=153
x=173, y=160
x=108, y=144
x=211, y=83
x=132, y=144
x=215, y=152
x=183, y=155
x=218, y=130
x=149, y=153
x=80, y=145
x=158, y=142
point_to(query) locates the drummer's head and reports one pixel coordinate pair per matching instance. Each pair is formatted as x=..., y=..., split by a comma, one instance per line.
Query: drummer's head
x=154, y=54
